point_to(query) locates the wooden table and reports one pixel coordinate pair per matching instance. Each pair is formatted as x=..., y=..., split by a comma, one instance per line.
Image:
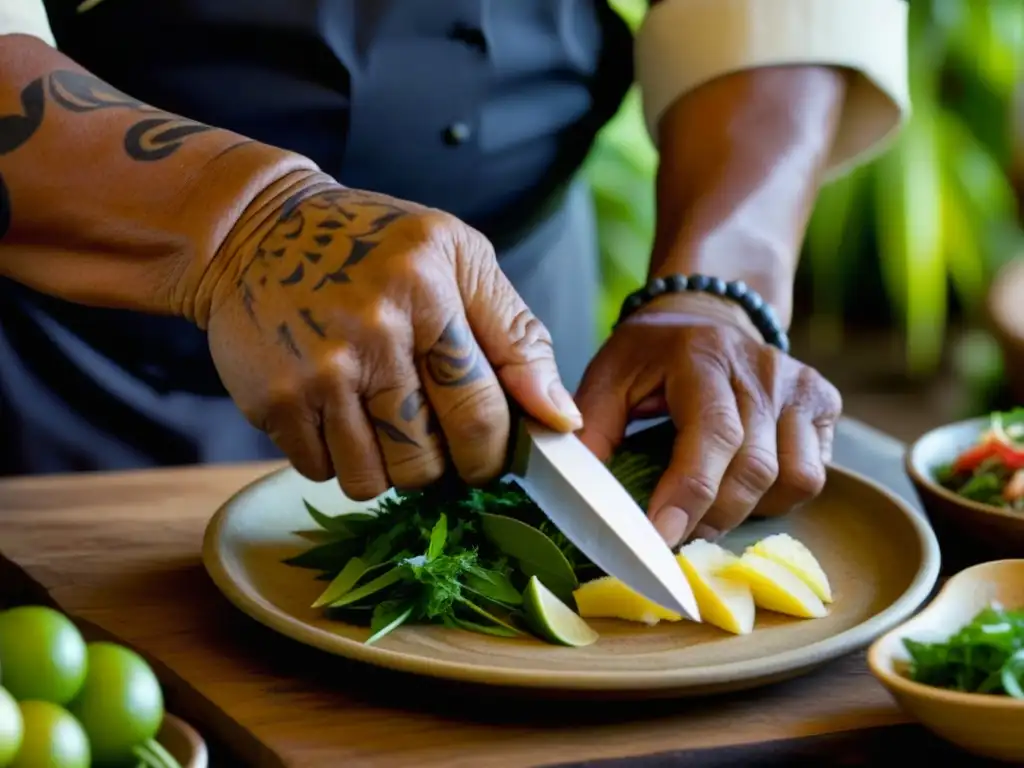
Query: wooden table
x=120, y=553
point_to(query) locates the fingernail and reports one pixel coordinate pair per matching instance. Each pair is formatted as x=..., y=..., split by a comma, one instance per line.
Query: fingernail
x=671, y=524
x=706, y=532
x=565, y=405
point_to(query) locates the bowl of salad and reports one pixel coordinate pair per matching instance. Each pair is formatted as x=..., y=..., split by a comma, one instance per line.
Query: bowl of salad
x=957, y=667
x=970, y=477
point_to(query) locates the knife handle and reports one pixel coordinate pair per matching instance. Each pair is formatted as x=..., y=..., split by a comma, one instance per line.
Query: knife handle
x=517, y=453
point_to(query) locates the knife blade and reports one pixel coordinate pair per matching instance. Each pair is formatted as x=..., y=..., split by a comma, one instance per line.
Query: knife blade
x=581, y=496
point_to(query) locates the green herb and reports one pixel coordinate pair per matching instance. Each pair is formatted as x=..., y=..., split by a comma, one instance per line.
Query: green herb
x=449, y=555
x=536, y=554
x=985, y=656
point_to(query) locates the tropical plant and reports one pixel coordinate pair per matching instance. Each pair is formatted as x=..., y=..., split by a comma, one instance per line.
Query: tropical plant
x=935, y=212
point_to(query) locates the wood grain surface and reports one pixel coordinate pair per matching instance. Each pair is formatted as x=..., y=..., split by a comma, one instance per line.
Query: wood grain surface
x=121, y=554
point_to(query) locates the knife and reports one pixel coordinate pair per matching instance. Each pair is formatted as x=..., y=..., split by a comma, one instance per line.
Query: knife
x=581, y=496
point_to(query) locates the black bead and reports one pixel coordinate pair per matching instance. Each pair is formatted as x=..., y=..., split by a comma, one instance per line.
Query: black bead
x=736, y=289
x=656, y=287
x=677, y=283
x=716, y=286
x=633, y=303
x=752, y=302
x=699, y=283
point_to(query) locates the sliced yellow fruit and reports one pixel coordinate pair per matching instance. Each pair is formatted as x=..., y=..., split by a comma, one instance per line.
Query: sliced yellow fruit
x=727, y=603
x=609, y=598
x=775, y=587
x=794, y=555
x=554, y=620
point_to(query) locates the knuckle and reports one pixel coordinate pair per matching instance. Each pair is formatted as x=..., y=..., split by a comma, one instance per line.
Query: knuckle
x=429, y=226
x=817, y=392
x=332, y=369
x=530, y=338
x=805, y=479
x=699, y=489
x=757, y=467
x=724, y=426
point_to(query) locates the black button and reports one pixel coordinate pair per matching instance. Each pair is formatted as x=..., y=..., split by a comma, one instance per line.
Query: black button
x=471, y=36
x=456, y=134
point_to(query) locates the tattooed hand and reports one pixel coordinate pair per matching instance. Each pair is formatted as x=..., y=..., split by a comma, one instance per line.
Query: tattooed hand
x=372, y=339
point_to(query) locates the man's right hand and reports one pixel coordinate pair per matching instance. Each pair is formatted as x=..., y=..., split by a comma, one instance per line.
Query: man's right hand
x=373, y=339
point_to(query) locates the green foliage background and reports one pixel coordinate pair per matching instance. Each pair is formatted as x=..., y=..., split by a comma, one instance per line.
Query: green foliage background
x=934, y=217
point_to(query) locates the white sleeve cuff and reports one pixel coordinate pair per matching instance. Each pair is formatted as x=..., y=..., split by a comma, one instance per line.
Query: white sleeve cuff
x=683, y=44
x=26, y=17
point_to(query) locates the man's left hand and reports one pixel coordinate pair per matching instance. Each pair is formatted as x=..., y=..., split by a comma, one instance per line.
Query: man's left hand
x=755, y=426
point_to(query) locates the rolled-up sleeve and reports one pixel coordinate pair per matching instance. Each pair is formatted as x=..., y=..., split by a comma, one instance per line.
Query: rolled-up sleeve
x=25, y=17
x=683, y=44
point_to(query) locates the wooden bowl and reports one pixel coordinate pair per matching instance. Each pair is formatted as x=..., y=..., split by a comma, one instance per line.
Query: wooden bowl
x=986, y=725
x=183, y=742
x=961, y=524
x=1006, y=316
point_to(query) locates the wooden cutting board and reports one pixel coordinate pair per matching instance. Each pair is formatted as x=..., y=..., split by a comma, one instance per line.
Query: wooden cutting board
x=121, y=554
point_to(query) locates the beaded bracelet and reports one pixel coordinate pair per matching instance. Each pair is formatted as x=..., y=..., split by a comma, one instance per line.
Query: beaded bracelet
x=758, y=310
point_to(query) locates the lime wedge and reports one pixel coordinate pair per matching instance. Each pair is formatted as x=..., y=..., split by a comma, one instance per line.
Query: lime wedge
x=554, y=620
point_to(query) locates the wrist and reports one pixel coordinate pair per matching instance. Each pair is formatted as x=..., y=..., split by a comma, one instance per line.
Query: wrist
x=694, y=309
x=250, y=187
x=767, y=267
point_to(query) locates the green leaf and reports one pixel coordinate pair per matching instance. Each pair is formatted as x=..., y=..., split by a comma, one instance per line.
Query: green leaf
x=484, y=629
x=347, y=525
x=387, y=617
x=438, y=536
x=319, y=536
x=490, y=616
x=383, y=581
x=536, y=554
x=355, y=569
x=494, y=586
x=325, y=557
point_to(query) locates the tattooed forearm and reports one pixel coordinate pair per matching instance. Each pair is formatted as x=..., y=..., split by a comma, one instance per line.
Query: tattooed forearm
x=314, y=244
x=454, y=360
x=149, y=139
x=15, y=130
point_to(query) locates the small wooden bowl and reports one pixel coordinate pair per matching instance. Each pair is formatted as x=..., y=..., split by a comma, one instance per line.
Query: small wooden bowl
x=988, y=725
x=1005, y=307
x=961, y=524
x=183, y=742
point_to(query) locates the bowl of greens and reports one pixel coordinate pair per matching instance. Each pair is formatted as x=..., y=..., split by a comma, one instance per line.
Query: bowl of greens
x=970, y=477
x=958, y=666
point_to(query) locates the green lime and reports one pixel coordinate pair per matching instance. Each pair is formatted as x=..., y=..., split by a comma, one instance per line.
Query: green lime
x=53, y=738
x=11, y=728
x=120, y=705
x=554, y=620
x=43, y=654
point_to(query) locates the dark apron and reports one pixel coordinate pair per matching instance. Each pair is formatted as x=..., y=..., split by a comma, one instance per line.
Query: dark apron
x=483, y=108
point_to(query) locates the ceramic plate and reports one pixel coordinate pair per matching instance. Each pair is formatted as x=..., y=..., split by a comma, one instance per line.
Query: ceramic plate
x=880, y=554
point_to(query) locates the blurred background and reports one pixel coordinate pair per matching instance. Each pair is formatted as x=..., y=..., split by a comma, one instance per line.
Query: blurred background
x=902, y=294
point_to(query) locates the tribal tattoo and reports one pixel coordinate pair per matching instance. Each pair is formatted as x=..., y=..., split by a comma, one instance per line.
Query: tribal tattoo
x=148, y=140
x=409, y=410
x=454, y=360
x=313, y=246
x=15, y=130
x=155, y=136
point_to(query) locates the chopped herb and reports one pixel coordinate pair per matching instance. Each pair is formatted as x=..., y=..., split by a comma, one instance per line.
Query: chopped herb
x=450, y=555
x=985, y=656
